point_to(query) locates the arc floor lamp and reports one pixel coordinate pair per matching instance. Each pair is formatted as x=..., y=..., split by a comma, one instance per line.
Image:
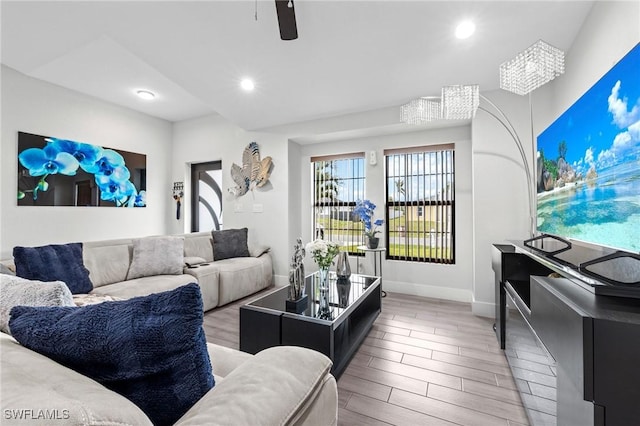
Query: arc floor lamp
x=530, y=69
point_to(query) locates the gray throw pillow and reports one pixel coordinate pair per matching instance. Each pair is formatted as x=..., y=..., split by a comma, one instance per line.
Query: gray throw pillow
x=230, y=243
x=156, y=256
x=16, y=291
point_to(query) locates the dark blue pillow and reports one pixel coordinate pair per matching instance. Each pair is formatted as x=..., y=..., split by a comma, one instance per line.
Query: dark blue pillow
x=54, y=263
x=151, y=349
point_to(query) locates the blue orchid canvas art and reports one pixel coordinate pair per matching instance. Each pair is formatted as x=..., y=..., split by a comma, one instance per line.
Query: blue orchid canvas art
x=59, y=172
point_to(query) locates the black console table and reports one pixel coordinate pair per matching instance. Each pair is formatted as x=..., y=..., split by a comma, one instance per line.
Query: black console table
x=334, y=323
x=573, y=348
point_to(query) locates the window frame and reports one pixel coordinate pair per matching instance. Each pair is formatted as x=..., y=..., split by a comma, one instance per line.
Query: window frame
x=352, y=244
x=444, y=206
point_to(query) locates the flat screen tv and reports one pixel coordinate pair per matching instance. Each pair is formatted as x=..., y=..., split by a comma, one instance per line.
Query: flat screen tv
x=588, y=165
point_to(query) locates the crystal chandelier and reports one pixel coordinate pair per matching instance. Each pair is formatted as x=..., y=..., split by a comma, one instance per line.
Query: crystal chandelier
x=456, y=103
x=460, y=102
x=535, y=66
x=420, y=111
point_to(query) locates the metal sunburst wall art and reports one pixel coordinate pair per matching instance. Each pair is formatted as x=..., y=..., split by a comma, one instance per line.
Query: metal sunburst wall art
x=254, y=172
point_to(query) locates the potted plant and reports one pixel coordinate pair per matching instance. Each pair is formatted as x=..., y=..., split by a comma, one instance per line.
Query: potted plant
x=364, y=211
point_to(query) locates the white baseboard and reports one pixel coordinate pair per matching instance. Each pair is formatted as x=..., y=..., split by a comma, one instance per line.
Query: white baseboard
x=424, y=290
x=483, y=309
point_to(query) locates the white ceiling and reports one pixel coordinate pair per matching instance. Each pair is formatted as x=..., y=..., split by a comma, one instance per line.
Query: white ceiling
x=351, y=56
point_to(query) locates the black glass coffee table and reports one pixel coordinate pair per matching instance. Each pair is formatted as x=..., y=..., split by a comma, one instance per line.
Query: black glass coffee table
x=335, y=322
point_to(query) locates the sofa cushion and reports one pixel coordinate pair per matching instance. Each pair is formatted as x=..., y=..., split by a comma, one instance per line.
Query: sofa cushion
x=16, y=291
x=108, y=263
x=54, y=263
x=207, y=277
x=230, y=243
x=199, y=245
x=156, y=256
x=143, y=286
x=151, y=349
x=242, y=276
x=33, y=381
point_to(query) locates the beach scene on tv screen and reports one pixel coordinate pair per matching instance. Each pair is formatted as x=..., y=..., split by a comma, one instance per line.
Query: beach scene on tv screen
x=588, y=163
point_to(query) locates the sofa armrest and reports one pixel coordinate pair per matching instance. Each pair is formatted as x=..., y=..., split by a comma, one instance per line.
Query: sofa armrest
x=258, y=250
x=35, y=387
x=278, y=386
x=208, y=278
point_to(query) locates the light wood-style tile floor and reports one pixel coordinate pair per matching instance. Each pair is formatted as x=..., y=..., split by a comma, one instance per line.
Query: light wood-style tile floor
x=425, y=362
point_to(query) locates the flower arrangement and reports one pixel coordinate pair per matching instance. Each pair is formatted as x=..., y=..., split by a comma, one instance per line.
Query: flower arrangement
x=364, y=211
x=323, y=252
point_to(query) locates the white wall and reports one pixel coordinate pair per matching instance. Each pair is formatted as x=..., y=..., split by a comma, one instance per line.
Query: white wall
x=295, y=195
x=212, y=138
x=499, y=185
x=33, y=106
x=431, y=280
x=610, y=31
x=500, y=194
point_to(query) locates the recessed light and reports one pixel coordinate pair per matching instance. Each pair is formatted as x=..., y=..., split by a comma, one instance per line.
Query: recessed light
x=145, y=94
x=465, y=29
x=247, y=84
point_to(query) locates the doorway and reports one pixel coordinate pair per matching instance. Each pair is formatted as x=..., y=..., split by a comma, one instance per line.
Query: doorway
x=206, y=196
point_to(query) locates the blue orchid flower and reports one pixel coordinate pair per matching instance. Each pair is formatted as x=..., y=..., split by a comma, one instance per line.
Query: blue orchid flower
x=119, y=173
x=138, y=199
x=364, y=211
x=85, y=153
x=48, y=161
x=141, y=199
x=107, y=163
x=114, y=190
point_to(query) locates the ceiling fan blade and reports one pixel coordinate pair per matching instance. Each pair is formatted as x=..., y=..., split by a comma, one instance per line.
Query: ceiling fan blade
x=287, y=19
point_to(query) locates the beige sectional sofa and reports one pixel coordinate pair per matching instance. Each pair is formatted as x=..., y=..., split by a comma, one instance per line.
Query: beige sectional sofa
x=278, y=386
x=221, y=281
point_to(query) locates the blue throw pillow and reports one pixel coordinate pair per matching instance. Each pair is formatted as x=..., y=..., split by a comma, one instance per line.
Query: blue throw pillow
x=151, y=349
x=54, y=263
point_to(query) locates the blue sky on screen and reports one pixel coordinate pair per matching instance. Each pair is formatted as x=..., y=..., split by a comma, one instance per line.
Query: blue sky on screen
x=603, y=127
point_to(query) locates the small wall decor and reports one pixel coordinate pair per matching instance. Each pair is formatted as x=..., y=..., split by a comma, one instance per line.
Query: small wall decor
x=59, y=172
x=254, y=172
x=178, y=193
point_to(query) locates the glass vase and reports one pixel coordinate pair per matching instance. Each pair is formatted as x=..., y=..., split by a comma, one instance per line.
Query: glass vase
x=343, y=269
x=323, y=273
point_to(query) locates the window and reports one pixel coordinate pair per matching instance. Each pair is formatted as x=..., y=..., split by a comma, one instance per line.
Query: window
x=338, y=181
x=420, y=208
